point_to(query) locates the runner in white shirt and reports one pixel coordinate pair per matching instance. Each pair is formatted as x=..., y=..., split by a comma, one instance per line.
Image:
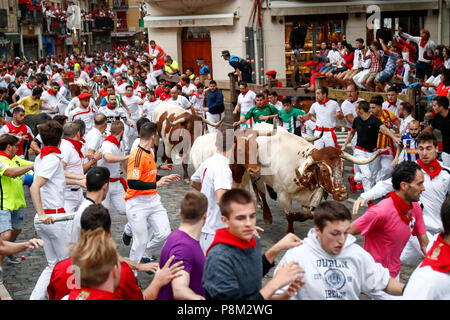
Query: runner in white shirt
x=324, y=112
x=112, y=113
x=179, y=100
x=335, y=266
x=113, y=157
x=187, y=87
x=122, y=83
x=84, y=111
x=73, y=159
x=246, y=100
x=213, y=178
x=392, y=102
x=431, y=279
x=94, y=138
x=308, y=129
x=198, y=99
x=52, y=98
x=149, y=105
x=47, y=194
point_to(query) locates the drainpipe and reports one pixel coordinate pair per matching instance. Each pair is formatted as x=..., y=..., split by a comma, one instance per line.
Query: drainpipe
x=260, y=43
x=250, y=48
x=440, y=19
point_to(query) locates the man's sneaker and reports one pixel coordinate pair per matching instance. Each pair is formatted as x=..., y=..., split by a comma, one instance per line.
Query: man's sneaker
x=1, y=275
x=13, y=259
x=126, y=239
x=370, y=203
x=352, y=183
x=148, y=260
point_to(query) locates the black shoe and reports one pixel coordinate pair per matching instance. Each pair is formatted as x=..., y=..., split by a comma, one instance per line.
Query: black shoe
x=126, y=239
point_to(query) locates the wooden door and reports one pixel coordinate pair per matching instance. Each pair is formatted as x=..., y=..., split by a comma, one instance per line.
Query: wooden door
x=193, y=48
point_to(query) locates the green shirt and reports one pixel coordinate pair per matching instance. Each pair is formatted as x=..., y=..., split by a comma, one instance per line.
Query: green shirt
x=11, y=192
x=256, y=112
x=4, y=106
x=289, y=118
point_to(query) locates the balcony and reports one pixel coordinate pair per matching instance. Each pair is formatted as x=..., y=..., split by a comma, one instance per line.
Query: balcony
x=120, y=4
x=31, y=17
x=122, y=25
x=101, y=24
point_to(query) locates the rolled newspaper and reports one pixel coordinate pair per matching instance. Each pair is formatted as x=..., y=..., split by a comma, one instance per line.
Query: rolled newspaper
x=60, y=217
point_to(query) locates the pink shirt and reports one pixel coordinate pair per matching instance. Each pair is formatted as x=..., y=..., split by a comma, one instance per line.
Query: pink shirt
x=386, y=234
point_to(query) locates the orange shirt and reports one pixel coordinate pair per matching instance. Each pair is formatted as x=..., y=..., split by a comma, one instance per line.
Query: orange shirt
x=141, y=166
x=384, y=141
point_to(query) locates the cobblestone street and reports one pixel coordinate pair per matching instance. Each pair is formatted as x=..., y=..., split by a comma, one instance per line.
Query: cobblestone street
x=19, y=279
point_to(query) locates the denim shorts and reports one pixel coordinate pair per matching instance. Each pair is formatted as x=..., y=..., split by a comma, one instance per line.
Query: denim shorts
x=384, y=76
x=11, y=219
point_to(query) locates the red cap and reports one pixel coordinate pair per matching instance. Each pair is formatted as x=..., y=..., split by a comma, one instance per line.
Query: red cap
x=271, y=73
x=84, y=95
x=311, y=63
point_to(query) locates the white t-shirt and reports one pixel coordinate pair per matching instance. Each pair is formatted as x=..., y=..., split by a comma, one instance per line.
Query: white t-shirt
x=181, y=102
x=308, y=129
x=85, y=114
x=114, y=167
x=246, y=101
x=52, y=101
x=148, y=107
x=94, y=139
x=76, y=224
x=72, y=159
x=427, y=284
x=23, y=91
x=325, y=113
x=335, y=277
x=133, y=105
x=197, y=101
x=349, y=107
x=51, y=168
x=214, y=174
x=112, y=115
x=187, y=89
x=392, y=108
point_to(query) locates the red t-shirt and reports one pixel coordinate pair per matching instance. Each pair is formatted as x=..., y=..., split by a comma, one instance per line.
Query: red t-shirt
x=91, y=294
x=62, y=277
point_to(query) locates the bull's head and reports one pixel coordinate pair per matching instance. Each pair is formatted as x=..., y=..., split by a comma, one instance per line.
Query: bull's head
x=325, y=168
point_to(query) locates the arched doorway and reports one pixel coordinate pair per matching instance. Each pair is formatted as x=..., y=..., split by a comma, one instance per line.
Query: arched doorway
x=195, y=43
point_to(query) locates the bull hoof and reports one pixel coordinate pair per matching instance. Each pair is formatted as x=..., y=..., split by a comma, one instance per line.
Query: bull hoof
x=300, y=216
x=267, y=221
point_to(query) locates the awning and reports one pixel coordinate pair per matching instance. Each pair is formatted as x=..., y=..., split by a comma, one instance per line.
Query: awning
x=204, y=20
x=287, y=8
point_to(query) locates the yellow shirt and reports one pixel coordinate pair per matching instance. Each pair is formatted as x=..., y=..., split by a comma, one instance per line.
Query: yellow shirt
x=384, y=141
x=31, y=106
x=169, y=69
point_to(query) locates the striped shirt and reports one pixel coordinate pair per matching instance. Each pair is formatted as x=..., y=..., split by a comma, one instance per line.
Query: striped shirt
x=375, y=60
x=410, y=148
x=384, y=142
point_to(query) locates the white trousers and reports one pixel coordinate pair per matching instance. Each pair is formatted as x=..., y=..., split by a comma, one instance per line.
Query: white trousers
x=384, y=168
x=115, y=198
x=206, y=240
x=56, y=241
x=214, y=118
x=73, y=200
x=366, y=173
x=412, y=254
x=153, y=75
x=328, y=139
x=358, y=77
x=142, y=212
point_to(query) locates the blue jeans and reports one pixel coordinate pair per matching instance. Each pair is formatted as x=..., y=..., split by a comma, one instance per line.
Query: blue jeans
x=11, y=219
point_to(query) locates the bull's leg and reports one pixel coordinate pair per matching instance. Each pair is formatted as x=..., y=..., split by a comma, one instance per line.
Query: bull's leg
x=267, y=214
x=185, y=172
x=286, y=202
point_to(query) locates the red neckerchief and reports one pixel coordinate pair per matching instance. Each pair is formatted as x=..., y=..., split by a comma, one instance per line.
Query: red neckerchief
x=113, y=139
x=423, y=42
x=152, y=100
x=77, y=145
x=353, y=101
x=129, y=96
x=135, y=85
x=226, y=237
x=264, y=106
x=438, y=257
x=109, y=107
x=28, y=86
x=243, y=94
x=433, y=169
x=120, y=83
x=392, y=104
x=49, y=149
x=325, y=102
x=49, y=91
x=403, y=208
x=3, y=153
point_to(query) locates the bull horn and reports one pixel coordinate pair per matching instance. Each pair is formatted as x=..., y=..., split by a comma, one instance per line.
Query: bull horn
x=304, y=166
x=212, y=123
x=314, y=138
x=268, y=134
x=181, y=120
x=356, y=160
